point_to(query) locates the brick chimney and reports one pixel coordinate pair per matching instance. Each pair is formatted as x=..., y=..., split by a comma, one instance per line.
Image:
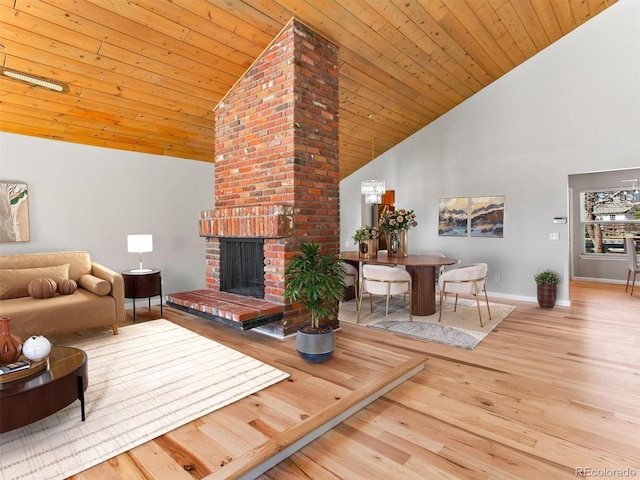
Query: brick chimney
x=276, y=173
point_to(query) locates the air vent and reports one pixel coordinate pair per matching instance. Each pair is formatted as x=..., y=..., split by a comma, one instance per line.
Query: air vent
x=37, y=81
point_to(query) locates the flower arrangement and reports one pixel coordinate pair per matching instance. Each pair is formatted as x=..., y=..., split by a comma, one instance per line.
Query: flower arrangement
x=366, y=233
x=400, y=219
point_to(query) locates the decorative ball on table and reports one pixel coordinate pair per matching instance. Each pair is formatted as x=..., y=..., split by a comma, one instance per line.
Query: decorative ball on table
x=36, y=348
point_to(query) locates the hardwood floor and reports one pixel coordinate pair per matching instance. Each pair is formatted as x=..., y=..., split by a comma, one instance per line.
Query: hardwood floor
x=547, y=393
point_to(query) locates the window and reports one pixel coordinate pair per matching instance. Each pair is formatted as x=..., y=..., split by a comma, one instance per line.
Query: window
x=608, y=216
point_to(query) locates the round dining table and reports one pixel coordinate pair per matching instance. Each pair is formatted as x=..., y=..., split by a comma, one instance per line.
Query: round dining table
x=421, y=267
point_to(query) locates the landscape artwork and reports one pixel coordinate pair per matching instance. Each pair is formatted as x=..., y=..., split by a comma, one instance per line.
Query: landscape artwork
x=487, y=216
x=453, y=217
x=14, y=212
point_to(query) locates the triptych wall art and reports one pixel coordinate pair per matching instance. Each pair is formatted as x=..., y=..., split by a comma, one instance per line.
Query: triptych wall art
x=14, y=212
x=471, y=217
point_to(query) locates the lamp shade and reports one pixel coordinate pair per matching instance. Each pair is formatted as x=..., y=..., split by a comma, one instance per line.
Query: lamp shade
x=140, y=243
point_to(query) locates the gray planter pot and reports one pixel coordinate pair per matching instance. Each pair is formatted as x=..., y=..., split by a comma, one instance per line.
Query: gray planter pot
x=315, y=347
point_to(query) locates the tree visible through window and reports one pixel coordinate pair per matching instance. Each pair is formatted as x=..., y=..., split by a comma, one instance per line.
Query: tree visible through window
x=608, y=216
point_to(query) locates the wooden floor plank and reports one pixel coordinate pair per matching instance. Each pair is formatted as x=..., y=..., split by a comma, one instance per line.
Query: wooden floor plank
x=546, y=393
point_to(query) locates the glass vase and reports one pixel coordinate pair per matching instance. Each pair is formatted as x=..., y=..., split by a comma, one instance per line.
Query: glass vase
x=397, y=243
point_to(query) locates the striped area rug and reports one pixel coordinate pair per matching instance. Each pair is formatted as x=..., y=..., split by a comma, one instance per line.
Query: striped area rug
x=150, y=379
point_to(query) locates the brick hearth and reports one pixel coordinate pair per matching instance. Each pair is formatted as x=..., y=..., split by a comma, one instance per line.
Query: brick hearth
x=276, y=174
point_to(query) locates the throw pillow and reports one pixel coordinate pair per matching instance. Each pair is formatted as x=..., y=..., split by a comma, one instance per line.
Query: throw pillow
x=14, y=282
x=42, y=287
x=67, y=287
x=94, y=284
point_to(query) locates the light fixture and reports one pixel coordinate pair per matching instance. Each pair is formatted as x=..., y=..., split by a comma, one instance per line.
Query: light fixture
x=139, y=244
x=372, y=189
x=37, y=81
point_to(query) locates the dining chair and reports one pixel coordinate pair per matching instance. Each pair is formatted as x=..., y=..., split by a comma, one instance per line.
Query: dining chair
x=387, y=281
x=350, y=277
x=467, y=280
x=633, y=263
x=440, y=270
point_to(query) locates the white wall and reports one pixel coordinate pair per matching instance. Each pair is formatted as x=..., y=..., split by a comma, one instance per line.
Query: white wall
x=573, y=108
x=89, y=198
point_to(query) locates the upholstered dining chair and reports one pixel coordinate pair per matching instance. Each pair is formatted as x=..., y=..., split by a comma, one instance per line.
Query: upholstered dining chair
x=467, y=280
x=384, y=280
x=440, y=270
x=633, y=263
x=350, y=276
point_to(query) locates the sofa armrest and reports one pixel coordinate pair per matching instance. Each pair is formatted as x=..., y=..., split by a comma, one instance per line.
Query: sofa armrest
x=117, y=287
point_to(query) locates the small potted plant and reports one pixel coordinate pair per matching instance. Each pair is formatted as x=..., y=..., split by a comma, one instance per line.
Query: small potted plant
x=315, y=279
x=367, y=240
x=547, y=281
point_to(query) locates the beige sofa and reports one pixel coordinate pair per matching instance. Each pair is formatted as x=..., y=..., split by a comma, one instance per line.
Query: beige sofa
x=98, y=300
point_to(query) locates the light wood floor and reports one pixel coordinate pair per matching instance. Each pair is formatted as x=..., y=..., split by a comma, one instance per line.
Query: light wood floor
x=547, y=393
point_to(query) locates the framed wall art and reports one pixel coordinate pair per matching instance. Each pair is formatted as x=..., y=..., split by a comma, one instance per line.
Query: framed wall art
x=14, y=212
x=487, y=216
x=453, y=217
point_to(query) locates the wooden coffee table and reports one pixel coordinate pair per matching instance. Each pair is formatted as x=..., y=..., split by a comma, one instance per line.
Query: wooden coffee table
x=33, y=398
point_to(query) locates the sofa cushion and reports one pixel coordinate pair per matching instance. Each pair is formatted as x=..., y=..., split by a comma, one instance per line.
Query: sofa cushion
x=14, y=282
x=79, y=262
x=67, y=287
x=94, y=284
x=42, y=287
x=59, y=314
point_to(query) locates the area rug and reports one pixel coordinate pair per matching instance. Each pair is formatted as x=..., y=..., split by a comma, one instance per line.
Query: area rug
x=150, y=379
x=459, y=329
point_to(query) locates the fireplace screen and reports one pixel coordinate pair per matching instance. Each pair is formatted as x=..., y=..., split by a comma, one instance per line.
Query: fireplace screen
x=242, y=266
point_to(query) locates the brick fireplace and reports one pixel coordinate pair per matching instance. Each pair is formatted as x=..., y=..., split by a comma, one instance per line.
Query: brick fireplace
x=276, y=173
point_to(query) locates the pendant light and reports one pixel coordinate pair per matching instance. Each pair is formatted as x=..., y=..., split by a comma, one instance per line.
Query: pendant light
x=372, y=189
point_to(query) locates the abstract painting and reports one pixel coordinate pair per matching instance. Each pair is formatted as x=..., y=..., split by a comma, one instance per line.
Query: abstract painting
x=487, y=216
x=14, y=212
x=453, y=217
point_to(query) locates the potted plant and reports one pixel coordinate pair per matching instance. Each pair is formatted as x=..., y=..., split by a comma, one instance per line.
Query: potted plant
x=315, y=279
x=367, y=240
x=547, y=281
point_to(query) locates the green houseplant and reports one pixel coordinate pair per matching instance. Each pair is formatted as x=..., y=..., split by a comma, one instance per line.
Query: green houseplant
x=547, y=281
x=314, y=278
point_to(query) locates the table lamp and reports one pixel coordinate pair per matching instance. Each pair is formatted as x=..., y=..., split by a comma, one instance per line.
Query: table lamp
x=139, y=244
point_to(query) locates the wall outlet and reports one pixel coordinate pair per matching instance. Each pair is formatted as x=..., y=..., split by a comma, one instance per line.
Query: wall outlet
x=498, y=279
x=554, y=236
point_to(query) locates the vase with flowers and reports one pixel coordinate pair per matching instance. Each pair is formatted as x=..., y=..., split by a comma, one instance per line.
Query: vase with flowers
x=367, y=240
x=396, y=225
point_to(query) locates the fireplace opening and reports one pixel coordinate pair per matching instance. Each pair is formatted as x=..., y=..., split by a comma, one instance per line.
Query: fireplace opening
x=242, y=266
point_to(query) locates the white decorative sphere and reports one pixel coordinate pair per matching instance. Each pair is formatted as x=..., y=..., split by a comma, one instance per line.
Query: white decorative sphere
x=36, y=348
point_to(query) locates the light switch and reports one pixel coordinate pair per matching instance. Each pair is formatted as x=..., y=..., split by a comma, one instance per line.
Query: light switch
x=554, y=236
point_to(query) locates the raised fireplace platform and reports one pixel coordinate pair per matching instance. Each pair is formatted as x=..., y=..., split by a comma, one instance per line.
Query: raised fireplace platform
x=237, y=311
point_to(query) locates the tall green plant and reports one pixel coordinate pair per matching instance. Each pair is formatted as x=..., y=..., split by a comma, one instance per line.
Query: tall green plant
x=315, y=279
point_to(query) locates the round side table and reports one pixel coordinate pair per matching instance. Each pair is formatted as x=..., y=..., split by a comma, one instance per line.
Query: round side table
x=145, y=284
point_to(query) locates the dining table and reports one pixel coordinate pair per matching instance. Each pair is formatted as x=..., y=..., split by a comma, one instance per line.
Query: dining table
x=421, y=267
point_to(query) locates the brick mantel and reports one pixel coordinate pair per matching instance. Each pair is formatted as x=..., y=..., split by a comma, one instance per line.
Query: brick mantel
x=266, y=221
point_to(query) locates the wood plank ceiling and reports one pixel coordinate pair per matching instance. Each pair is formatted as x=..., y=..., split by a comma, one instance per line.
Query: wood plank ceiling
x=146, y=75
